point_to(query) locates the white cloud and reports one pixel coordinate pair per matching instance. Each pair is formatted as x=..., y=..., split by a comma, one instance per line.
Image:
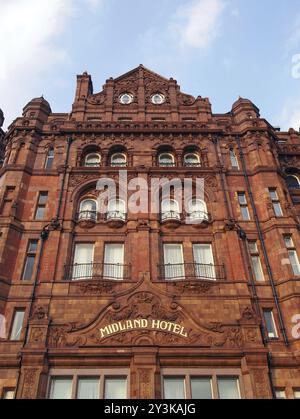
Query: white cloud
x=197, y=23
x=28, y=31
x=290, y=115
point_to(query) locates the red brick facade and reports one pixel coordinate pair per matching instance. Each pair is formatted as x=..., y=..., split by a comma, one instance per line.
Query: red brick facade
x=211, y=327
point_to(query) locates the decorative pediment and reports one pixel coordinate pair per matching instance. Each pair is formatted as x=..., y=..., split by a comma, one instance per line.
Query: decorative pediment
x=143, y=315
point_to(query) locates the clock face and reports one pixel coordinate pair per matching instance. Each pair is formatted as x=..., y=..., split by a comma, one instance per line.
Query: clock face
x=158, y=99
x=126, y=98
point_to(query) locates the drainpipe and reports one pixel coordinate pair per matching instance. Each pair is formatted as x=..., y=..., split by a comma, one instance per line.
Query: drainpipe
x=271, y=375
x=266, y=257
x=69, y=143
x=44, y=236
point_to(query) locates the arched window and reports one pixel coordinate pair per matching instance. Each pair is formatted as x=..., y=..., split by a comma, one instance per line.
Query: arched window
x=293, y=182
x=88, y=210
x=118, y=160
x=49, y=159
x=93, y=160
x=116, y=210
x=170, y=210
x=192, y=160
x=166, y=160
x=197, y=210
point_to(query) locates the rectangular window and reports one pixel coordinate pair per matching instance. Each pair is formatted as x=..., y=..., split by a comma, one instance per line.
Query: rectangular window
x=7, y=201
x=244, y=206
x=256, y=263
x=8, y=394
x=204, y=261
x=61, y=388
x=93, y=385
x=275, y=201
x=174, y=262
x=30, y=260
x=280, y=393
x=206, y=385
x=234, y=160
x=88, y=388
x=201, y=388
x=17, y=325
x=115, y=388
x=114, y=261
x=293, y=256
x=228, y=388
x=83, y=261
x=41, y=206
x=270, y=324
x=174, y=388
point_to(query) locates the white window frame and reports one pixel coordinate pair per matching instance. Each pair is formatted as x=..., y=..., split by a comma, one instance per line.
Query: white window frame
x=16, y=334
x=115, y=164
x=201, y=271
x=194, y=155
x=110, y=268
x=164, y=164
x=234, y=160
x=89, y=373
x=214, y=374
x=89, y=270
x=96, y=164
x=291, y=248
x=168, y=267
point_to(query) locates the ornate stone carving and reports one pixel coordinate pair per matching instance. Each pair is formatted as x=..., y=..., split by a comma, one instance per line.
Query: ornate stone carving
x=95, y=288
x=40, y=313
x=187, y=287
x=30, y=383
x=145, y=384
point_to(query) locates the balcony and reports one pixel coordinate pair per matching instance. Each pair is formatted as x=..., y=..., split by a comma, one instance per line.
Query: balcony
x=191, y=271
x=116, y=218
x=87, y=219
x=171, y=218
x=198, y=218
x=97, y=271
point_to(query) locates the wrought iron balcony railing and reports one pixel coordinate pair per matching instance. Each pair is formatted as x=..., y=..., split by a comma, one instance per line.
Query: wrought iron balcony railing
x=116, y=215
x=194, y=271
x=92, y=164
x=166, y=164
x=93, y=271
x=198, y=216
x=170, y=216
x=191, y=164
x=87, y=216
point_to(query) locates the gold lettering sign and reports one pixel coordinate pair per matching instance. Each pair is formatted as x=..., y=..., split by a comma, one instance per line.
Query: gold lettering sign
x=142, y=324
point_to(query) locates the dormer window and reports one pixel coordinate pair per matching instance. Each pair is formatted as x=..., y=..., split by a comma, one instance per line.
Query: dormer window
x=192, y=160
x=118, y=160
x=93, y=160
x=166, y=160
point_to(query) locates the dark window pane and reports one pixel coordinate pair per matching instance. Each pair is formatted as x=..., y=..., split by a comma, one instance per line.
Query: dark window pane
x=43, y=198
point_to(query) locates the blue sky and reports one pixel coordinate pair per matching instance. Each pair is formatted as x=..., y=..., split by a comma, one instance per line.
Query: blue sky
x=214, y=48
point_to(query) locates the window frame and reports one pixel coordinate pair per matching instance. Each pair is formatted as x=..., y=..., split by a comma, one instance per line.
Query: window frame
x=292, y=248
x=244, y=206
x=171, y=164
x=234, y=162
x=76, y=374
x=119, y=164
x=7, y=390
x=275, y=202
x=271, y=310
x=41, y=205
x=256, y=254
x=49, y=158
x=196, y=164
x=12, y=324
x=213, y=374
x=98, y=164
x=30, y=253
